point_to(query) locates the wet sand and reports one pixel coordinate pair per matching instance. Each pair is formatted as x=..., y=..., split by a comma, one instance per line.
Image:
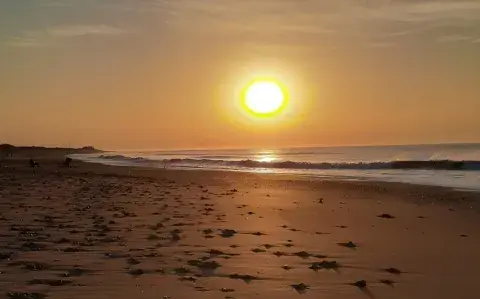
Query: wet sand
x=95, y=231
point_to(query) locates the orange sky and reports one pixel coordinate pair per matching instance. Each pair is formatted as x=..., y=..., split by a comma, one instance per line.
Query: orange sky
x=167, y=75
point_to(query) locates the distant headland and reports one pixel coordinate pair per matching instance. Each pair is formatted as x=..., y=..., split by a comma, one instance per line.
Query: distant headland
x=12, y=150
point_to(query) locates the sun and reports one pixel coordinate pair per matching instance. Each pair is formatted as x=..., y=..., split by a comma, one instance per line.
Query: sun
x=264, y=98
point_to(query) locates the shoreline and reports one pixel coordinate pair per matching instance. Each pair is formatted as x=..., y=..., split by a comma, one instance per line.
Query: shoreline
x=461, y=175
x=419, y=192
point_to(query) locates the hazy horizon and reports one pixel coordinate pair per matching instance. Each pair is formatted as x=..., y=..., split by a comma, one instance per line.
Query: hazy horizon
x=167, y=74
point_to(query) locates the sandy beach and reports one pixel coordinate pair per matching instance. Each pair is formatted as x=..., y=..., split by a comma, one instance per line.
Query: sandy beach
x=95, y=231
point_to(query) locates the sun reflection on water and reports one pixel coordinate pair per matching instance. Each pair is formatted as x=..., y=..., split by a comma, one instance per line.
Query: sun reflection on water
x=267, y=158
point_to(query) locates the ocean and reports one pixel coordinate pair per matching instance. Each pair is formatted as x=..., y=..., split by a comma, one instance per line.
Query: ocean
x=450, y=165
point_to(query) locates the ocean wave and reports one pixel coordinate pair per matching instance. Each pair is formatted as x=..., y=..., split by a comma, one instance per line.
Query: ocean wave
x=125, y=158
x=405, y=165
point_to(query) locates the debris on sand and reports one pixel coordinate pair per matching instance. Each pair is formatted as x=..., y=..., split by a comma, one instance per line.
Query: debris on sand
x=188, y=278
x=328, y=265
x=32, y=266
x=228, y=233
x=181, y=270
x=175, y=236
x=348, y=244
x=204, y=265
x=386, y=216
x=387, y=282
x=153, y=237
x=23, y=295
x=300, y=287
x=216, y=252
x=136, y=272
x=247, y=278
x=258, y=234
x=258, y=250
x=360, y=284
x=116, y=255
x=5, y=255
x=393, y=271
x=50, y=282
x=73, y=272
x=31, y=246
x=133, y=261
x=279, y=253
x=303, y=254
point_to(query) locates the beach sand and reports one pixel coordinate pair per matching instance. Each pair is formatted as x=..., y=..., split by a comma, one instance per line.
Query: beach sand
x=95, y=231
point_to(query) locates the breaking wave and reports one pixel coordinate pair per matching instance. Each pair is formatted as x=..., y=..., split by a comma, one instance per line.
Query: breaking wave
x=205, y=163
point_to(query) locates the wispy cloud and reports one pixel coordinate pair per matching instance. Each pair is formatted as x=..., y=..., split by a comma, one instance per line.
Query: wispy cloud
x=456, y=38
x=80, y=30
x=382, y=44
x=24, y=42
x=36, y=38
x=425, y=11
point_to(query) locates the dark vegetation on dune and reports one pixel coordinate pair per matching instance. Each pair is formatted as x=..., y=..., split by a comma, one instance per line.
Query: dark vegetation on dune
x=10, y=149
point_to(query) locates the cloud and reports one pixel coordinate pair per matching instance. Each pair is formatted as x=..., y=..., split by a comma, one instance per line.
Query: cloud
x=80, y=30
x=382, y=44
x=454, y=38
x=426, y=11
x=36, y=38
x=24, y=42
x=457, y=38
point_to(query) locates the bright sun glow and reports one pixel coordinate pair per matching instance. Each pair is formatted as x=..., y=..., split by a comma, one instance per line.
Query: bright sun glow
x=264, y=97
